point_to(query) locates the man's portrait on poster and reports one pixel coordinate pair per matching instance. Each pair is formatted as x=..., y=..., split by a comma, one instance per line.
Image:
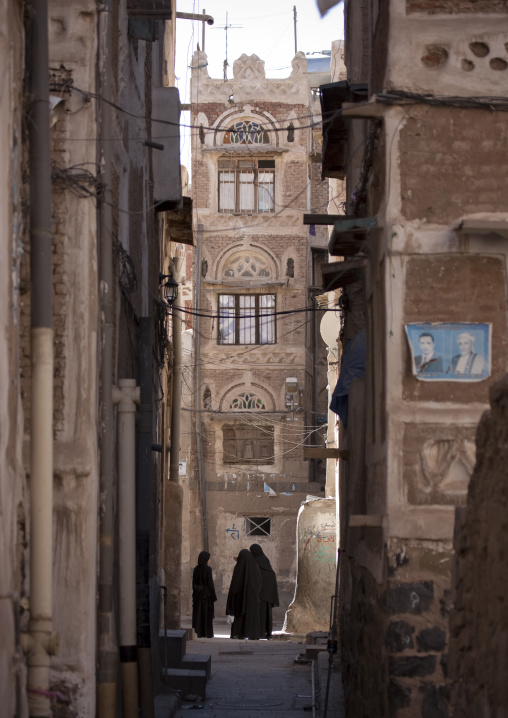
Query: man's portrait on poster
x=450, y=351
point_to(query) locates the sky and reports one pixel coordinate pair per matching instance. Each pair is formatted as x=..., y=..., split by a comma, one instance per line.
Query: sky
x=264, y=28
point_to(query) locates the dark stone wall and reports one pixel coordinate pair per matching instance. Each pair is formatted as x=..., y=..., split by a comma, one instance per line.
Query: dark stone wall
x=364, y=655
x=479, y=619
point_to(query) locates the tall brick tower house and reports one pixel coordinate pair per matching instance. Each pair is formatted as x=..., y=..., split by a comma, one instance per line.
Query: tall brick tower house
x=253, y=371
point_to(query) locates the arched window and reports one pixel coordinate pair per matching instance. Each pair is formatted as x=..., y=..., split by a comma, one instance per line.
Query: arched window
x=247, y=400
x=246, y=133
x=246, y=266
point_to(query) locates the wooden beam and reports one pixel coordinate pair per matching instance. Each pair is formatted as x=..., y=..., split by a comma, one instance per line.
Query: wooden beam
x=322, y=452
x=365, y=520
x=324, y=219
x=340, y=274
x=363, y=110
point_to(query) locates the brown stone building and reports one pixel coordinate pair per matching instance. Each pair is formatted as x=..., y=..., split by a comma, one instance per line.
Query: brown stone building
x=257, y=353
x=415, y=132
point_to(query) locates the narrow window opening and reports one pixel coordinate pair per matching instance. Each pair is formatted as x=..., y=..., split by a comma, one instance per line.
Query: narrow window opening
x=258, y=525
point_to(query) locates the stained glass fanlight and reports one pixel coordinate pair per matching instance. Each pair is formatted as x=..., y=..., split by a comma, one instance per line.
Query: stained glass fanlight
x=246, y=267
x=247, y=400
x=246, y=133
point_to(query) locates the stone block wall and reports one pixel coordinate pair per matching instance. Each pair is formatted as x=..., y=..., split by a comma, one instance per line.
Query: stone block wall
x=364, y=656
x=418, y=602
x=479, y=620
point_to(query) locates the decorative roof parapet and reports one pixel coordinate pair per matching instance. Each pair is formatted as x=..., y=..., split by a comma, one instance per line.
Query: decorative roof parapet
x=249, y=82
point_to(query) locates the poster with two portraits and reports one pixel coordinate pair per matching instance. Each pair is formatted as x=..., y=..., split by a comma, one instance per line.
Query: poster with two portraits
x=450, y=351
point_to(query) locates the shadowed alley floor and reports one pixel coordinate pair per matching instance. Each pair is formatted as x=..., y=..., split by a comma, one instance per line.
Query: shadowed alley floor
x=258, y=679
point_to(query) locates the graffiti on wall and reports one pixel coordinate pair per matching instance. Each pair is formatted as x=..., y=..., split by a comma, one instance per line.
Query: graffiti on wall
x=233, y=532
x=324, y=546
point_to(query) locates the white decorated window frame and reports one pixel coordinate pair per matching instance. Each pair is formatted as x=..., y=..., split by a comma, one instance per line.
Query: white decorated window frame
x=246, y=185
x=247, y=319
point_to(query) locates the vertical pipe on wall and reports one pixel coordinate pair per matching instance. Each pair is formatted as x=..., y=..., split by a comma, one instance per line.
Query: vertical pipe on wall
x=41, y=643
x=197, y=390
x=143, y=514
x=127, y=395
x=174, y=492
x=107, y=647
x=176, y=397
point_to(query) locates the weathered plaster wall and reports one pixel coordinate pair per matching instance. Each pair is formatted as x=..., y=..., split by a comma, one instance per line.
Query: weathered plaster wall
x=317, y=561
x=430, y=168
x=13, y=509
x=478, y=620
x=73, y=44
x=447, y=47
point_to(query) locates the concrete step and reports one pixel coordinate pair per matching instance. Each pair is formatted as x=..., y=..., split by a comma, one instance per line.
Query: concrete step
x=313, y=650
x=198, y=662
x=186, y=681
x=317, y=638
x=175, y=641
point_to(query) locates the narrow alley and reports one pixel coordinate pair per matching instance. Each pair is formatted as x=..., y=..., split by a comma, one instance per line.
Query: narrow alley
x=253, y=359
x=259, y=679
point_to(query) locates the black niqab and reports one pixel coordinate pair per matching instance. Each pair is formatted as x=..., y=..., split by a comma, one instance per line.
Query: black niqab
x=243, y=597
x=269, y=592
x=203, y=597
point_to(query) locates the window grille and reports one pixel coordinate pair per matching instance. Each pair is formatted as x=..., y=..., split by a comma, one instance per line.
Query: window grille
x=245, y=133
x=247, y=400
x=246, y=319
x=246, y=266
x=258, y=526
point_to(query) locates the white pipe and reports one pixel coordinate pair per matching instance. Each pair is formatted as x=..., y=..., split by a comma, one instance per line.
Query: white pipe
x=127, y=395
x=42, y=642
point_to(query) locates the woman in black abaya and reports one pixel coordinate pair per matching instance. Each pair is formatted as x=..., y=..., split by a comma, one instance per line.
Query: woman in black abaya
x=243, y=597
x=203, y=597
x=269, y=596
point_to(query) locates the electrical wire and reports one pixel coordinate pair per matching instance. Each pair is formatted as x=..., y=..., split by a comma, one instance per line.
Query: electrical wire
x=398, y=97
x=193, y=313
x=171, y=123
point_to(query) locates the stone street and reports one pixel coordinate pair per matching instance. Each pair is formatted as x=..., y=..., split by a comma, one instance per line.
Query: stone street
x=259, y=679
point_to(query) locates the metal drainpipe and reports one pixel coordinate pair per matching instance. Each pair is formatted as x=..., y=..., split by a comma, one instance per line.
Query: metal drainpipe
x=314, y=381
x=127, y=395
x=41, y=643
x=144, y=463
x=107, y=647
x=197, y=390
x=176, y=397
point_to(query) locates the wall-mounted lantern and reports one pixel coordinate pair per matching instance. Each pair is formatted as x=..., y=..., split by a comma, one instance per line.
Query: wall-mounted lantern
x=169, y=288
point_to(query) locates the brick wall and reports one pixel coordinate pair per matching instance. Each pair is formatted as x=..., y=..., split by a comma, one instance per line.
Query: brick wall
x=431, y=296
x=453, y=162
x=448, y=7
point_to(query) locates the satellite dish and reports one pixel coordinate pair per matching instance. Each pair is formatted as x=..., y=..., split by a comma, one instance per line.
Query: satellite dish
x=330, y=328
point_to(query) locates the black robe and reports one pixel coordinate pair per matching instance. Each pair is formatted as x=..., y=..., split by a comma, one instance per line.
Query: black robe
x=243, y=597
x=269, y=596
x=203, y=597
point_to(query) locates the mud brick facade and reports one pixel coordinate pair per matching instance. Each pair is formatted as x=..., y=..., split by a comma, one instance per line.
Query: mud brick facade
x=431, y=173
x=242, y=381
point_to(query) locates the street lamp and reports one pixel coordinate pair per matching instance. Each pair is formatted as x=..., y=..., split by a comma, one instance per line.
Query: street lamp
x=170, y=288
